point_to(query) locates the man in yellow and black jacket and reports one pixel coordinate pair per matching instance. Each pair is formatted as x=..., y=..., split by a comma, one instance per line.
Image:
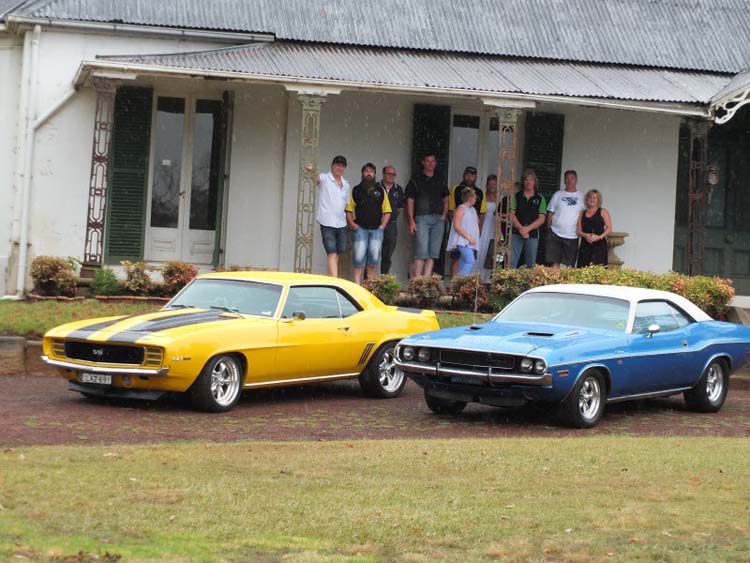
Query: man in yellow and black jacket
x=367, y=215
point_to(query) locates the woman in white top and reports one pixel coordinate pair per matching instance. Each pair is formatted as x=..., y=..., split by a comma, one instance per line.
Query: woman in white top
x=488, y=229
x=464, y=234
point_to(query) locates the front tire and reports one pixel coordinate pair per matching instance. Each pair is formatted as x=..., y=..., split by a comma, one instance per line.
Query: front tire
x=710, y=392
x=443, y=406
x=219, y=386
x=584, y=406
x=381, y=378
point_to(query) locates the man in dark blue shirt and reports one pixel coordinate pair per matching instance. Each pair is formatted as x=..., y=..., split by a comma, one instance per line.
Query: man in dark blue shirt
x=397, y=200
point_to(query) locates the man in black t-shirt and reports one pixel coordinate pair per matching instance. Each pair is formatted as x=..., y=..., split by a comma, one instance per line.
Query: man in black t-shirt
x=426, y=210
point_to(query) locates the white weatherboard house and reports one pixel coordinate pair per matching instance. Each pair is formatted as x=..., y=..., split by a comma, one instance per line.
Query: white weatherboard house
x=179, y=129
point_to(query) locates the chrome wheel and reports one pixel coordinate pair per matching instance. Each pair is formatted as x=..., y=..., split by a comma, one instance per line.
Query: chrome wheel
x=225, y=381
x=714, y=382
x=391, y=377
x=590, y=398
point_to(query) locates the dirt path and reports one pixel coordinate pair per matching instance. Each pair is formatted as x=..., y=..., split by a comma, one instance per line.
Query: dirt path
x=41, y=410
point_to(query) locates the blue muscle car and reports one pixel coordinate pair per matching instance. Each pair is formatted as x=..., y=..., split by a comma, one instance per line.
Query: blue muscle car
x=579, y=346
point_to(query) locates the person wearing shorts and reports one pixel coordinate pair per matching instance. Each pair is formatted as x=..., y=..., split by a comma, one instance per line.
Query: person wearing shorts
x=333, y=196
x=367, y=215
x=562, y=220
x=426, y=211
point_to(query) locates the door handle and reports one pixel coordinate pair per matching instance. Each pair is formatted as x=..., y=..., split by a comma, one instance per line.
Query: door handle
x=344, y=328
x=684, y=343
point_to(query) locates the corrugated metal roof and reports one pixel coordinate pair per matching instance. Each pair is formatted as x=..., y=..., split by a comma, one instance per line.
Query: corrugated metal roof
x=711, y=35
x=738, y=84
x=419, y=69
x=8, y=6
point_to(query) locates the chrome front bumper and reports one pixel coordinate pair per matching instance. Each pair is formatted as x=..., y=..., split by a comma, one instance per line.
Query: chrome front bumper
x=432, y=369
x=107, y=370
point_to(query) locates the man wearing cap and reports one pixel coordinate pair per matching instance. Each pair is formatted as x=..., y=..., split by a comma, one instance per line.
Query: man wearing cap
x=426, y=210
x=367, y=215
x=454, y=200
x=333, y=196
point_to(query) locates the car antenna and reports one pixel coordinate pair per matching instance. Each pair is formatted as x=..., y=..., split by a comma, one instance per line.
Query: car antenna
x=476, y=299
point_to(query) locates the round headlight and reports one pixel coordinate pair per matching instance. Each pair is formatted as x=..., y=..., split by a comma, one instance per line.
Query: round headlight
x=407, y=353
x=526, y=364
x=423, y=355
x=540, y=366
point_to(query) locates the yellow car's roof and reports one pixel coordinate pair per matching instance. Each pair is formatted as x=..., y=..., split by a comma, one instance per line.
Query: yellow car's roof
x=286, y=278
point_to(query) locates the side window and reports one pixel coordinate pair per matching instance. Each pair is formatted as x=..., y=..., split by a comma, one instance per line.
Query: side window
x=317, y=302
x=657, y=312
x=682, y=319
x=348, y=308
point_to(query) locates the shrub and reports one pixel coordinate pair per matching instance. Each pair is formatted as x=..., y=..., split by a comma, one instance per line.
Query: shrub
x=53, y=276
x=426, y=290
x=176, y=275
x=385, y=287
x=105, y=282
x=710, y=294
x=469, y=292
x=138, y=280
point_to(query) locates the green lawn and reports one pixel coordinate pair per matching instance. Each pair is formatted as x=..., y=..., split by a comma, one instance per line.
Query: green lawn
x=32, y=320
x=568, y=499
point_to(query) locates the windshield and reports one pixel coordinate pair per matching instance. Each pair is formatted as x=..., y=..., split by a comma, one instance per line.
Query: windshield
x=246, y=297
x=589, y=311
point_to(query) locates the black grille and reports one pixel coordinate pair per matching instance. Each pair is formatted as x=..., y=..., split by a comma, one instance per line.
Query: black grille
x=104, y=353
x=476, y=359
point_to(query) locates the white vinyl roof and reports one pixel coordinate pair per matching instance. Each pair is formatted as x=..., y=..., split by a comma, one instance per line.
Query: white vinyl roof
x=630, y=294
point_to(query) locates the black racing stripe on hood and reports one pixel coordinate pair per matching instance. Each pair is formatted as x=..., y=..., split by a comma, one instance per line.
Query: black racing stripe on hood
x=85, y=331
x=164, y=323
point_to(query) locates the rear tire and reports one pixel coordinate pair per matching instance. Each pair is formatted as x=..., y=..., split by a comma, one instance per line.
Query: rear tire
x=381, y=378
x=585, y=405
x=219, y=386
x=443, y=406
x=710, y=392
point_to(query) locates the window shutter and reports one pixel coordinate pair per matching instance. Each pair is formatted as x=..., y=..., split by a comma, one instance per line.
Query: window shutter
x=227, y=110
x=543, y=154
x=432, y=133
x=126, y=196
x=543, y=149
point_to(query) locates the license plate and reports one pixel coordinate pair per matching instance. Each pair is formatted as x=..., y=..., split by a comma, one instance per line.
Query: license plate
x=96, y=378
x=464, y=380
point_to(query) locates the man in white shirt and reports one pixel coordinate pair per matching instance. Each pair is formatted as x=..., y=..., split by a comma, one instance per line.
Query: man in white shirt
x=562, y=219
x=333, y=197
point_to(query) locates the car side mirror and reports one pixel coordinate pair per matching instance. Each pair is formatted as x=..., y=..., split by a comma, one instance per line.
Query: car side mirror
x=300, y=315
x=653, y=329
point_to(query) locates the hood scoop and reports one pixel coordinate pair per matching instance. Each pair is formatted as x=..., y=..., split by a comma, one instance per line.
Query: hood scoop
x=543, y=334
x=474, y=327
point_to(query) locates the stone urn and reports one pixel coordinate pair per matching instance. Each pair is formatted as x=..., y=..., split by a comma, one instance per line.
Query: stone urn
x=614, y=239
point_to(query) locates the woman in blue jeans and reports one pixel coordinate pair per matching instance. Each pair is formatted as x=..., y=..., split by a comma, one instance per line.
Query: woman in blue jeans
x=465, y=231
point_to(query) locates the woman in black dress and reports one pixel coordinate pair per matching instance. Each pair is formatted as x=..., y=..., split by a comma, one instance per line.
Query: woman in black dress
x=594, y=224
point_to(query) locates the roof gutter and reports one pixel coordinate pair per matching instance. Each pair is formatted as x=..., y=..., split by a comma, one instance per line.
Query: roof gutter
x=87, y=68
x=20, y=22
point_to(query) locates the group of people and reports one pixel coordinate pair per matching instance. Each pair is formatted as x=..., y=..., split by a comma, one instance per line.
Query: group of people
x=370, y=211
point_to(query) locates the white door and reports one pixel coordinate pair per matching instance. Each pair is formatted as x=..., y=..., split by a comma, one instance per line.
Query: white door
x=183, y=196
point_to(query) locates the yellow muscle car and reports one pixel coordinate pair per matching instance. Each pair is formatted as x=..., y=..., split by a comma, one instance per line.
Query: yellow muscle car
x=225, y=332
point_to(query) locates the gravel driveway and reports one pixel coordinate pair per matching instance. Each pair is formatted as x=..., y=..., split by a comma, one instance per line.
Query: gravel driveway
x=41, y=410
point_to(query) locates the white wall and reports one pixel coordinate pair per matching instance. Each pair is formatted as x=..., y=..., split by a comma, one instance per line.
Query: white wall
x=11, y=48
x=256, y=177
x=632, y=159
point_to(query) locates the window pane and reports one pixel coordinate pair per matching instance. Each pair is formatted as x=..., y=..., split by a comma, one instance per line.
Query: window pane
x=165, y=193
x=316, y=302
x=250, y=298
x=206, y=160
x=568, y=309
x=654, y=312
x=347, y=307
